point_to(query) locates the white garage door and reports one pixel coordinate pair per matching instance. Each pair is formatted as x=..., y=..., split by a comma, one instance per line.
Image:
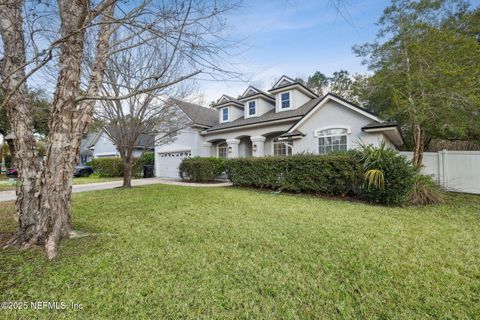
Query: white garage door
x=169, y=161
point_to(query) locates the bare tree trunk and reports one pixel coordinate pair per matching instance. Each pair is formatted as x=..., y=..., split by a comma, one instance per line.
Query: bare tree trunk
x=43, y=198
x=419, y=140
x=127, y=172
x=19, y=113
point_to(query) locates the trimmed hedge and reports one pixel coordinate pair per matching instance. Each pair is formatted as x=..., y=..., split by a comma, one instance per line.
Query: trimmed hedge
x=113, y=167
x=337, y=174
x=201, y=169
x=331, y=175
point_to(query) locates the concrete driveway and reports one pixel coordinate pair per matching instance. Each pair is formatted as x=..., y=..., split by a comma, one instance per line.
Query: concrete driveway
x=10, y=195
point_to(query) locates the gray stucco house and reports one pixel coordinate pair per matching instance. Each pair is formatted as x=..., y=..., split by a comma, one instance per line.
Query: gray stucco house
x=287, y=119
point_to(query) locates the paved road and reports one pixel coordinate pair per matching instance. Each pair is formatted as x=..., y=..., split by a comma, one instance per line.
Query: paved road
x=10, y=195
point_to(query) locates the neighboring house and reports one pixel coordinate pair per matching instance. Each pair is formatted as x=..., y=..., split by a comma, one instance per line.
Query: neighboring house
x=99, y=145
x=287, y=119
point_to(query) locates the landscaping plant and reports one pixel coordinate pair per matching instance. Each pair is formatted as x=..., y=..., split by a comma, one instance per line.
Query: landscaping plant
x=388, y=176
x=425, y=191
x=331, y=175
x=201, y=169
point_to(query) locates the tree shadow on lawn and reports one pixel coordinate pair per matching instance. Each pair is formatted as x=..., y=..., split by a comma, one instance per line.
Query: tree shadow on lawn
x=87, y=238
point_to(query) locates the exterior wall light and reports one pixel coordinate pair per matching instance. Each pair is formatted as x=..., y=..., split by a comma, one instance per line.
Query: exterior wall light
x=229, y=149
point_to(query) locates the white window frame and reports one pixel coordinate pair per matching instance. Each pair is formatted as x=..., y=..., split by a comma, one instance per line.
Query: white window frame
x=289, y=100
x=222, y=145
x=287, y=142
x=248, y=108
x=319, y=136
x=222, y=114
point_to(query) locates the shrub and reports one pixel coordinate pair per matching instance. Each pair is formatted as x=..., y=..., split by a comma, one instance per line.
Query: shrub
x=201, y=169
x=108, y=167
x=388, y=176
x=149, y=158
x=425, y=191
x=332, y=175
x=113, y=167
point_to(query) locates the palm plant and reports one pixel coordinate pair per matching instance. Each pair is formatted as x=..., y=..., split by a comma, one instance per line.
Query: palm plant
x=371, y=158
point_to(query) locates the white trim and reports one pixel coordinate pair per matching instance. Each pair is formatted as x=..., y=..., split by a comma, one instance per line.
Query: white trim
x=288, y=79
x=259, y=95
x=290, y=100
x=218, y=147
x=252, y=125
x=387, y=132
x=295, y=86
x=322, y=102
x=247, y=109
x=258, y=139
x=228, y=114
x=106, y=154
x=380, y=129
x=233, y=141
x=348, y=128
x=250, y=88
x=223, y=99
x=347, y=140
x=280, y=140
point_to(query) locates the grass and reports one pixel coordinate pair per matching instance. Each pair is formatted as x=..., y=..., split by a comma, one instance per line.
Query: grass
x=5, y=185
x=94, y=179
x=184, y=252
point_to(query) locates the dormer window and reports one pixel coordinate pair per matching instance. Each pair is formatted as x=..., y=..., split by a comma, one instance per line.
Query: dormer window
x=252, y=108
x=285, y=100
x=225, y=114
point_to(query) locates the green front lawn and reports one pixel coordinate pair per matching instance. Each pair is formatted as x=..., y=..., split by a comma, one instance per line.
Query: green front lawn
x=5, y=185
x=184, y=252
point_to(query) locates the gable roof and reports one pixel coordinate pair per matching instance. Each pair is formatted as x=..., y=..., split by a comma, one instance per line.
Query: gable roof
x=251, y=89
x=298, y=115
x=256, y=93
x=90, y=140
x=144, y=140
x=286, y=82
x=340, y=100
x=282, y=82
x=271, y=115
x=198, y=114
x=226, y=99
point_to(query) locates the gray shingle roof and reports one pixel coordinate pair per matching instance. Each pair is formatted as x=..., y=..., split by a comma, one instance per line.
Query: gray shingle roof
x=89, y=140
x=198, y=114
x=375, y=124
x=294, y=133
x=268, y=116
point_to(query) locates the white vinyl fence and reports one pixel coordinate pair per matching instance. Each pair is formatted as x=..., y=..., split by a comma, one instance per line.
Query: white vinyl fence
x=455, y=170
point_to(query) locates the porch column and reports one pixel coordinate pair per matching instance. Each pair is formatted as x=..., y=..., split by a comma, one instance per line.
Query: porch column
x=205, y=149
x=258, y=146
x=233, y=148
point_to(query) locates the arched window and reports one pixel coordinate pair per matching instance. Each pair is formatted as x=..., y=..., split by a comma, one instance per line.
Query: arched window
x=222, y=150
x=282, y=147
x=332, y=140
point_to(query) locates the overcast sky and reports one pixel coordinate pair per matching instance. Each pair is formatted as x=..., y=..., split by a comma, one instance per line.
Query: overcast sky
x=296, y=38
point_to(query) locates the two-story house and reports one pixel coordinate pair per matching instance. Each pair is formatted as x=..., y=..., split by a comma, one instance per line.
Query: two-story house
x=287, y=119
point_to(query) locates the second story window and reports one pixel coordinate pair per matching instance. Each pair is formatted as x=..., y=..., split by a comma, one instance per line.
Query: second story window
x=252, y=108
x=225, y=114
x=285, y=100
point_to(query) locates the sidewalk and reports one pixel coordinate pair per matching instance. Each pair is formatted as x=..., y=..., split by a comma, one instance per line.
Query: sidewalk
x=10, y=195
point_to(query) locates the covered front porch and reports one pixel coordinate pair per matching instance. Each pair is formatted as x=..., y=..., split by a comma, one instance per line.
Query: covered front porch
x=267, y=144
